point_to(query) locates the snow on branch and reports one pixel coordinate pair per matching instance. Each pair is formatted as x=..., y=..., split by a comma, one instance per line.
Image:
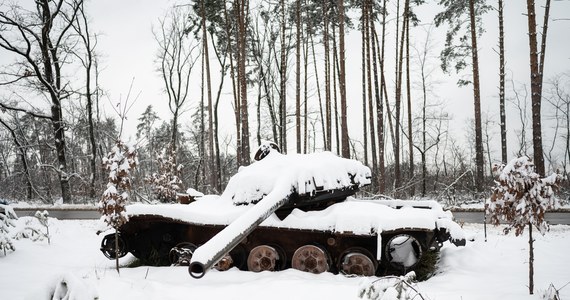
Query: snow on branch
x=166, y=182
x=520, y=197
x=7, y=217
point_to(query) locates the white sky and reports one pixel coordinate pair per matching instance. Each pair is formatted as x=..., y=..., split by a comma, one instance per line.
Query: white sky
x=128, y=49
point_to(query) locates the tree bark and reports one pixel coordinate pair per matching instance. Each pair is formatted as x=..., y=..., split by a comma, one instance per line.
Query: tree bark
x=283, y=88
x=364, y=82
x=476, y=102
x=367, y=7
x=328, y=122
x=343, y=119
x=378, y=89
x=535, y=87
x=502, y=112
x=409, y=97
x=530, y=260
x=298, y=77
x=244, y=116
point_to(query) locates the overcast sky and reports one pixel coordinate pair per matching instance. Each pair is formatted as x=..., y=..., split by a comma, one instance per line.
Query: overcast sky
x=128, y=51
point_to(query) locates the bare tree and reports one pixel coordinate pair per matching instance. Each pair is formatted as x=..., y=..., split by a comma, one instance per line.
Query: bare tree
x=41, y=41
x=87, y=59
x=176, y=58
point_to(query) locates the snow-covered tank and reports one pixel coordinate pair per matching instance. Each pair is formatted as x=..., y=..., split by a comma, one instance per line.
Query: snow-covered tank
x=289, y=211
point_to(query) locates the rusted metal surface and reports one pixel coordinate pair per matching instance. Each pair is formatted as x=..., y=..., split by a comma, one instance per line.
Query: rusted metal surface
x=356, y=262
x=311, y=258
x=263, y=258
x=151, y=239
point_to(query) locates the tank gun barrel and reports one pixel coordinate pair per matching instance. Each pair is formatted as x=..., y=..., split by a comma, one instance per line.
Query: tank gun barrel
x=222, y=243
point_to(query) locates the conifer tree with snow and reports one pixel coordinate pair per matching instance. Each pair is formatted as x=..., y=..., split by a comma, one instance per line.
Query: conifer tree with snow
x=166, y=182
x=119, y=163
x=7, y=217
x=520, y=198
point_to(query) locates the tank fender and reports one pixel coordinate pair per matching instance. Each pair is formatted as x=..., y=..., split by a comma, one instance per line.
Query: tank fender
x=449, y=230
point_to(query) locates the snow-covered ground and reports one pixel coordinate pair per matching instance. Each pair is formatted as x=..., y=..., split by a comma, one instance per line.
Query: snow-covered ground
x=497, y=269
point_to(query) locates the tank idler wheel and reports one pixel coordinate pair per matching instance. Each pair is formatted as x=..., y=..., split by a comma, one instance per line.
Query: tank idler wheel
x=357, y=262
x=110, y=249
x=181, y=254
x=263, y=258
x=310, y=258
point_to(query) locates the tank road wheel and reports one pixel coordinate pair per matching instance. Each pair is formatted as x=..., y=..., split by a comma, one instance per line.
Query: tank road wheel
x=357, y=261
x=310, y=258
x=263, y=258
x=403, y=251
x=108, y=246
x=181, y=254
x=225, y=263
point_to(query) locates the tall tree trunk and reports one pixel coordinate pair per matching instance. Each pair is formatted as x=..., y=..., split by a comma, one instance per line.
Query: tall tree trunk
x=503, y=116
x=477, y=102
x=235, y=86
x=536, y=88
x=283, y=89
x=328, y=122
x=211, y=154
x=335, y=73
x=379, y=98
x=323, y=125
x=543, y=41
x=424, y=130
x=409, y=97
x=244, y=116
x=88, y=64
x=398, y=99
x=298, y=77
x=305, y=93
x=343, y=121
x=366, y=25
x=364, y=82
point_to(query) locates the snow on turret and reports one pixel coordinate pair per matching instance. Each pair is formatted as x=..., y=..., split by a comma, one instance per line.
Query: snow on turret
x=302, y=173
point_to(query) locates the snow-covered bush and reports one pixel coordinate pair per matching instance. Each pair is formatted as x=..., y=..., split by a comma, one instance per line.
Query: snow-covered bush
x=7, y=217
x=520, y=197
x=119, y=163
x=31, y=228
x=391, y=288
x=166, y=182
x=43, y=218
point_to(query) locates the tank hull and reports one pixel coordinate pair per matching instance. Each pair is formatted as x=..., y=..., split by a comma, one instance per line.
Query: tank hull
x=151, y=238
